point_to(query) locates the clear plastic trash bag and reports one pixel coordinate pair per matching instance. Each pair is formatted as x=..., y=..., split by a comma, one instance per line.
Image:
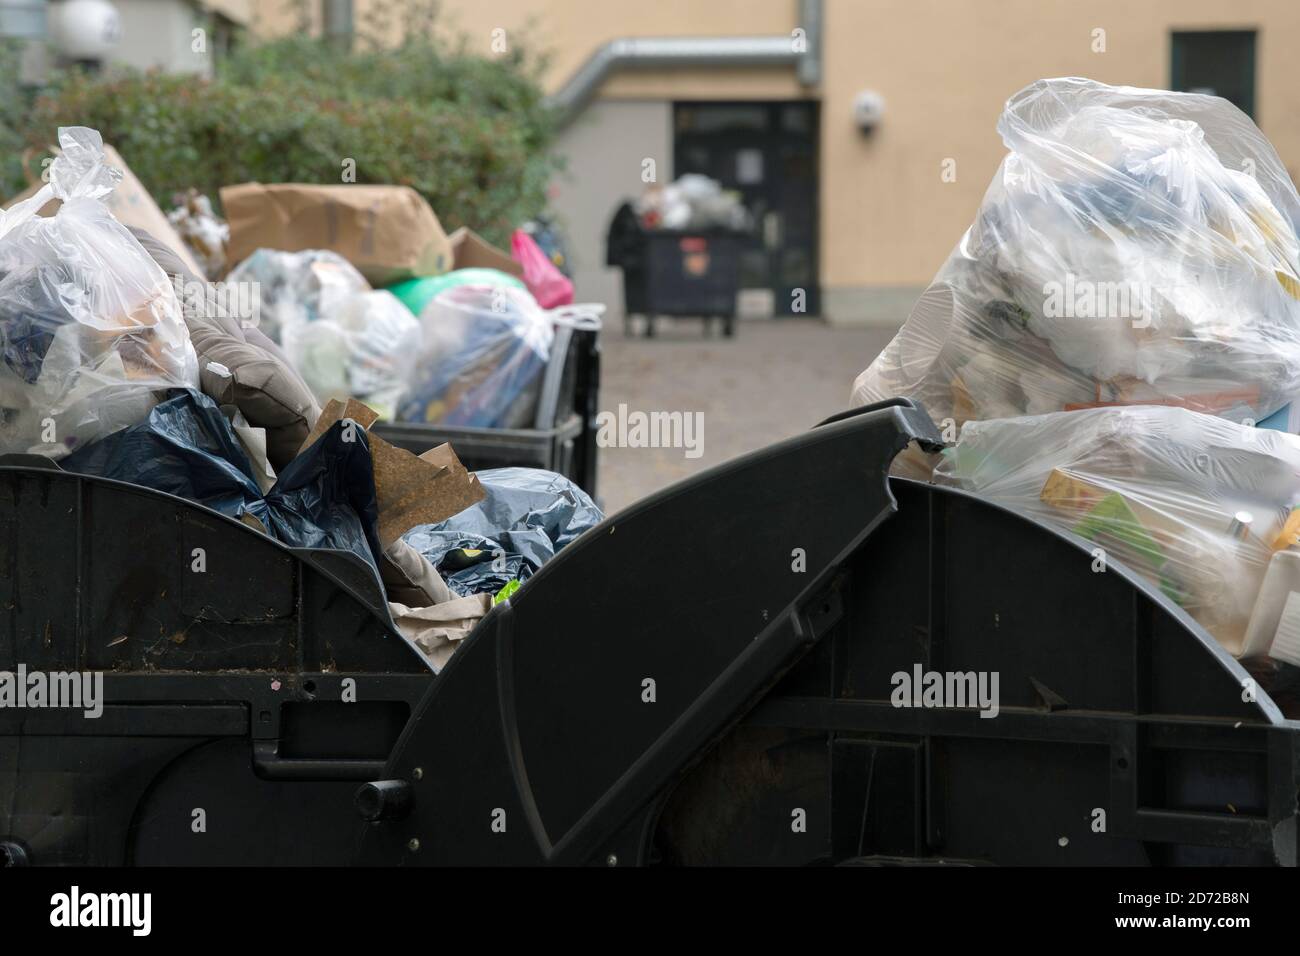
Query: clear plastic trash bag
x=1135, y=247
x=1194, y=503
x=90, y=326
x=297, y=287
x=345, y=339
x=364, y=346
x=484, y=348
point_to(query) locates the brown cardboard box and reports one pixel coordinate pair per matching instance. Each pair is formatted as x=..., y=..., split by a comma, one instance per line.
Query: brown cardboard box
x=131, y=205
x=472, y=251
x=388, y=232
x=410, y=489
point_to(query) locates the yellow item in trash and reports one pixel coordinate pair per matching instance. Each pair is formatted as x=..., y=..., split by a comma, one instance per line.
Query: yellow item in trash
x=1289, y=536
x=1062, y=490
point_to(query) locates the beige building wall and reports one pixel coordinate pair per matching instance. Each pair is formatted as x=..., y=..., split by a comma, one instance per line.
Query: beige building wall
x=944, y=68
x=602, y=154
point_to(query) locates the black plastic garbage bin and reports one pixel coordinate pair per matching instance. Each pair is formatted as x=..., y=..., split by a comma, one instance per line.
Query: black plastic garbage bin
x=709, y=677
x=248, y=688
x=693, y=274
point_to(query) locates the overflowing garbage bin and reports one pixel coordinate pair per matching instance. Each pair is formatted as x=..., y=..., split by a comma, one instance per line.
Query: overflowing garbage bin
x=682, y=275
x=773, y=690
x=248, y=547
x=488, y=353
x=679, y=251
x=1114, y=345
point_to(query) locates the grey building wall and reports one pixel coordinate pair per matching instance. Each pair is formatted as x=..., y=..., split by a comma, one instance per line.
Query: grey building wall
x=604, y=150
x=869, y=305
x=159, y=33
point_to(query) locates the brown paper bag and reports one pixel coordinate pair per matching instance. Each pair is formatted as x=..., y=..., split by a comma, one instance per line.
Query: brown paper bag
x=388, y=232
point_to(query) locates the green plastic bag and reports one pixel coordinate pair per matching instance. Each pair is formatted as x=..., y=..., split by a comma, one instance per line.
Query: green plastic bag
x=416, y=293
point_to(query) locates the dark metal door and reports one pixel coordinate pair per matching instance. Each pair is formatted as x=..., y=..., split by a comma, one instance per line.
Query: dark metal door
x=1221, y=62
x=768, y=153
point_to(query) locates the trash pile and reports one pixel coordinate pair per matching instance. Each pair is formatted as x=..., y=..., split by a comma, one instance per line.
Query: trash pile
x=691, y=201
x=369, y=299
x=204, y=233
x=1123, y=311
x=345, y=339
x=1135, y=247
x=121, y=361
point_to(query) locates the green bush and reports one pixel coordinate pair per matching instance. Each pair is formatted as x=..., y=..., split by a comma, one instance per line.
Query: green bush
x=470, y=134
x=14, y=103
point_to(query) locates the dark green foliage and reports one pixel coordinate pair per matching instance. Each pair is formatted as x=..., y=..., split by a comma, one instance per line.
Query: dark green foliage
x=469, y=133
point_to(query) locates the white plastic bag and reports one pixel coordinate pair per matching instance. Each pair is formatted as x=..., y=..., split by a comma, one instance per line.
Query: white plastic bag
x=90, y=327
x=1135, y=246
x=692, y=201
x=297, y=287
x=342, y=337
x=1196, y=504
x=363, y=346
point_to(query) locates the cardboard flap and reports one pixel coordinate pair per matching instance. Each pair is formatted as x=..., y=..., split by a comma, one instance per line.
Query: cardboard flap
x=411, y=490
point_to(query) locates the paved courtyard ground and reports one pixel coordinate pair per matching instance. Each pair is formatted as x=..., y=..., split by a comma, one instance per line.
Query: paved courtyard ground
x=774, y=379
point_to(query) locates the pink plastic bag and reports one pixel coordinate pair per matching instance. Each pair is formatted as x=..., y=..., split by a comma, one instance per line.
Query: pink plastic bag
x=548, y=284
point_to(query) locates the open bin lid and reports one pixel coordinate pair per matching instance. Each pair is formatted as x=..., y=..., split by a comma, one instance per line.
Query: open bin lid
x=620, y=660
x=772, y=592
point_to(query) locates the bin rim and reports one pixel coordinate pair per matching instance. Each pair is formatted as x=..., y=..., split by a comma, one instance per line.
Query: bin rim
x=319, y=559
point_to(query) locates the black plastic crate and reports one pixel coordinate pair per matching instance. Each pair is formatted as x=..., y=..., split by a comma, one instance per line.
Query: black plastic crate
x=563, y=436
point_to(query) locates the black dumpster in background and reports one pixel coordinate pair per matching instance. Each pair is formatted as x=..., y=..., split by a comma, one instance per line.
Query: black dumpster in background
x=678, y=273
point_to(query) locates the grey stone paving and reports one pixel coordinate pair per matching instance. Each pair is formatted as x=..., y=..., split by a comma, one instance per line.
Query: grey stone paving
x=774, y=379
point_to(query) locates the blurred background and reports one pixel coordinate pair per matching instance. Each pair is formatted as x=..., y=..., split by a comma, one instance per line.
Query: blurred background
x=855, y=136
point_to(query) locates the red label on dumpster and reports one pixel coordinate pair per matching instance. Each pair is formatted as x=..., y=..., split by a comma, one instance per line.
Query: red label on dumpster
x=695, y=256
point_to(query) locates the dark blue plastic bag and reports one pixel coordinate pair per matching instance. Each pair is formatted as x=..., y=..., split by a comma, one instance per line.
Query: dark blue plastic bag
x=525, y=517
x=324, y=498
